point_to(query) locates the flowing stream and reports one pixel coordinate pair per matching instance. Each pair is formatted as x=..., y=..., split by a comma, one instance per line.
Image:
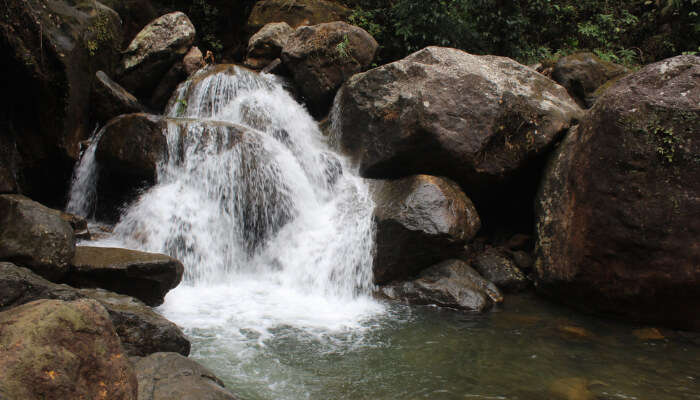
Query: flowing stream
x=275, y=231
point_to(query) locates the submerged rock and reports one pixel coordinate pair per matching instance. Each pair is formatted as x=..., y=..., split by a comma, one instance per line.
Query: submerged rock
x=146, y=276
x=109, y=99
x=266, y=45
x=295, y=13
x=452, y=283
x=36, y=236
x=583, y=73
x=63, y=350
x=322, y=57
x=617, y=211
x=172, y=376
x=154, y=50
x=420, y=220
x=499, y=268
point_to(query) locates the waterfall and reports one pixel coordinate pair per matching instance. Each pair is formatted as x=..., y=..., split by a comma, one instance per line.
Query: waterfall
x=273, y=227
x=83, y=187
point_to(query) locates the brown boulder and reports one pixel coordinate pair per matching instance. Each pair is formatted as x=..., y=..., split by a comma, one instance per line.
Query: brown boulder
x=420, y=221
x=146, y=276
x=35, y=236
x=322, y=57
x=452, y=283
x=193, y=61
x=583, y=73
x=109, y=99
x=53, y=349
x=617, y=211
x=498, y=267
x=266, y=45
x=295, y=13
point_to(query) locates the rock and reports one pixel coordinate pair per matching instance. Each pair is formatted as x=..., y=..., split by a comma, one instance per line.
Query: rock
x=420, y=221
x=617, y=227
x=498, y=268
x=522, y=260
x=451, y=283
x=78, y=223
x=266, y=45
x=295, y=13
x=63, y=350
x=583, y=73
x=50, y=52
x=648, y=334
x=35, y=236
x=570, y=389
x=109, y=99
x=193, y=61
x=146, y=276
x=479, y=120
x=574, y=332
x=322, y=57
x=154, y=50
x=128, y=155
x=140, y=329
x=135, y=15
x=172, y=376
x=167, y=85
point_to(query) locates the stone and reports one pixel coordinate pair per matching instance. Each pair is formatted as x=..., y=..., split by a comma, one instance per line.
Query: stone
x=295, y=13
x=571, y=389
x=167, y=85
x=135, y=15
x=321, y=57
x=51, y=50
x=193, y=61
x=617, y=231
x=164, y=376
x=420, y=221
x=53, y=349
x=482, y=121
x=154, y=50
x=583, y=73
x=496, y=266
x=36, y=236
x=146, y=276
x=128, y=154
x=109, y=99
x=648, y=334
x=140, y=329
x=451, y=283
x=266, y=45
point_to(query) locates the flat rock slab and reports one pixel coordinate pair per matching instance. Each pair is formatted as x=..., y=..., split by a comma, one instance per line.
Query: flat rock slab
x=164, y=376
x=146, y=276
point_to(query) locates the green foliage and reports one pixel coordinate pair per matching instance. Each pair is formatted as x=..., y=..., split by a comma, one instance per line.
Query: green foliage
x=99, y=34
x=342, y=48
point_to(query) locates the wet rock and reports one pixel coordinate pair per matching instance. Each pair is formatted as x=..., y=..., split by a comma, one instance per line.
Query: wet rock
x=172, y=376
x=617, y=227
x=451, y=283
x=295, y=13
x=266, y=45
x=146, y=276
x=50, y=52
x=193, y=61
x=420, y=221
x=479, y=120
x=522, y=260
x=154, y=50
x=109, y=99
x=496, y=266
x=648, y=334
x=574, y=332
x=128, y=156
x=63, y=350
x=167, y=85
x=35, y=236
x=322, y=57
x=583, y=73
x=140, y=329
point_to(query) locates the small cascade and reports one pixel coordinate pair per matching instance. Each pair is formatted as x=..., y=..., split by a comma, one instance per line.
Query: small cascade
x=82, y=194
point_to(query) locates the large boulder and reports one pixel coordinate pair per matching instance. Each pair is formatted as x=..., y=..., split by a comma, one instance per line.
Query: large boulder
x=141, y=330
x=171, y=376
x=266, y=45
x=617, y=211
x=35, y=236
x=583, y=73
x=499, y=267
x=51, y=50
x=154, y=50
x=451, y=283
x=109, y=99
x=420, y=221
x=128, y=154
x=146, y=276
x=295, y=13
x=193, y=61
x=479, y=120
x=321, y=57
x=53, y=349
